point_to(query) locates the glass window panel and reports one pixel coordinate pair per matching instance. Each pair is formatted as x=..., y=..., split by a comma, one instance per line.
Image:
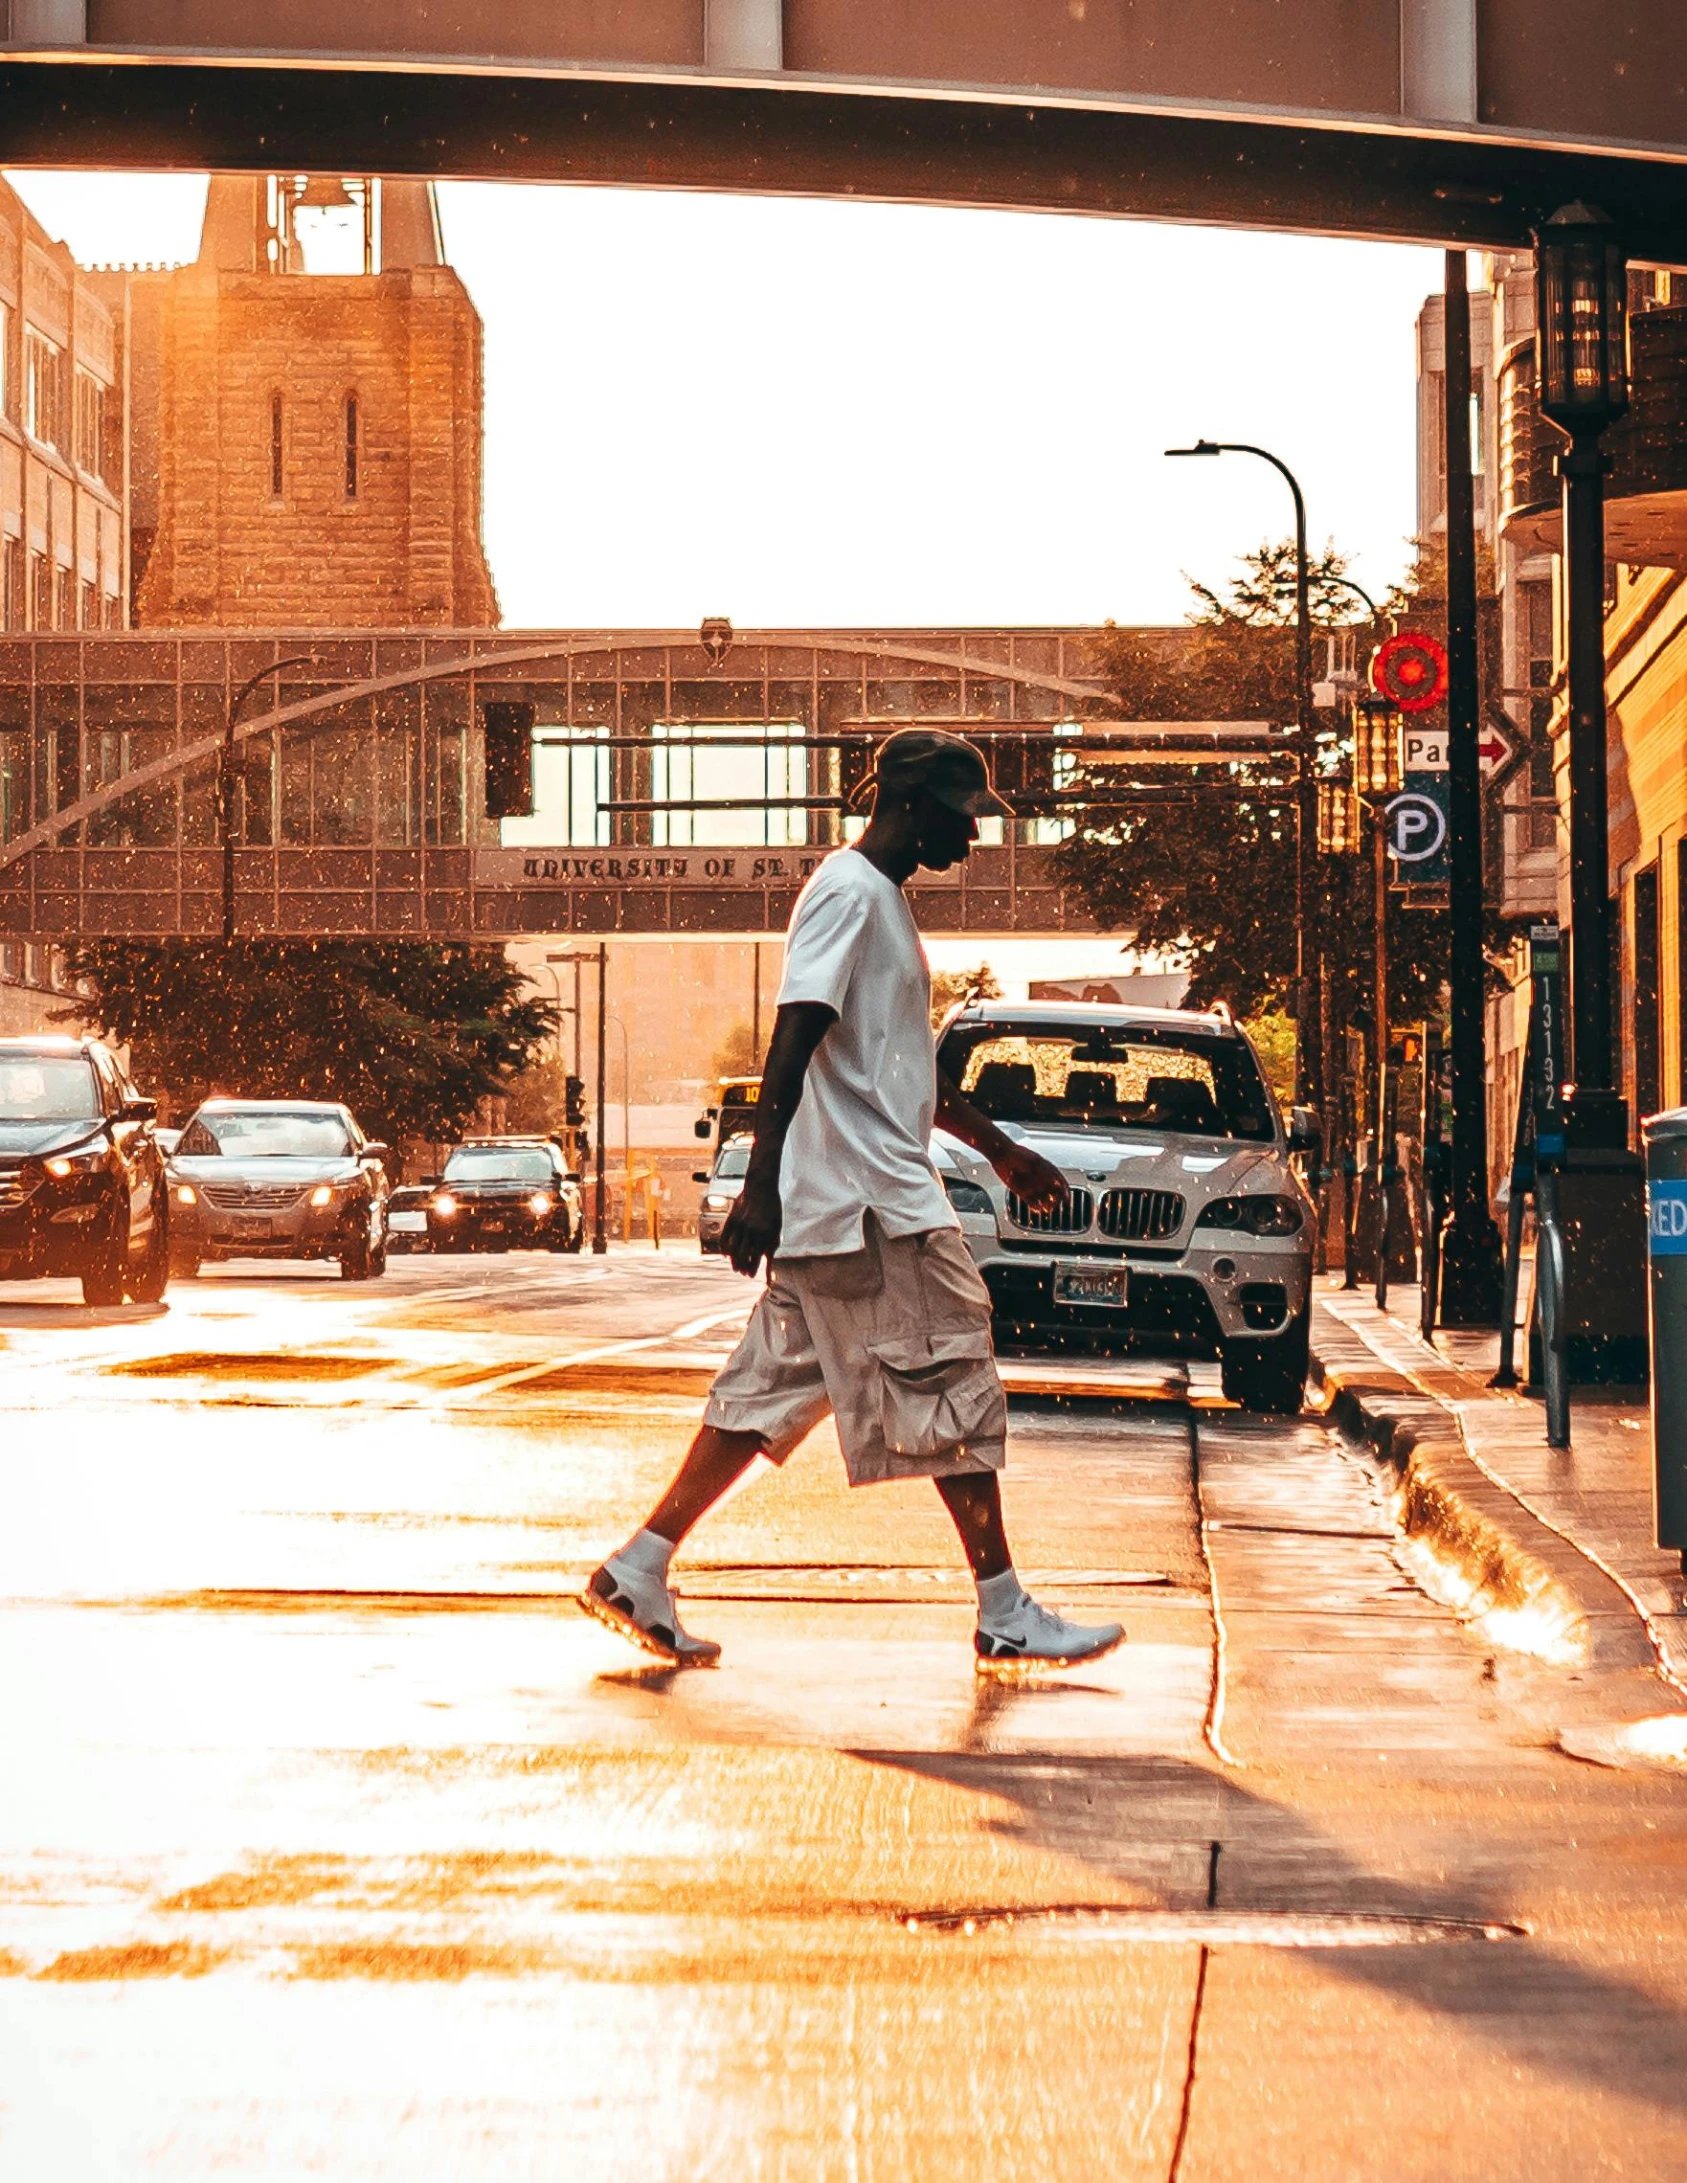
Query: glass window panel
x=757, y=768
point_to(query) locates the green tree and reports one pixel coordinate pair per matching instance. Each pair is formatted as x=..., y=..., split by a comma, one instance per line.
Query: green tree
x=409, y=1034
x=950, y=986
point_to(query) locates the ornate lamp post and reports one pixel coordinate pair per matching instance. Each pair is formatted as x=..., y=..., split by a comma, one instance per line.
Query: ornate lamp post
x=1581, y=303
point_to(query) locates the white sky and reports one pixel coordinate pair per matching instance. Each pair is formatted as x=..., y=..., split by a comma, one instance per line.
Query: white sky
x=799, y=413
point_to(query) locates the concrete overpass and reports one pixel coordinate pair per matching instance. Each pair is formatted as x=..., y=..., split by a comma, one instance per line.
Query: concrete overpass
x=1459, y=121
x=363, y=777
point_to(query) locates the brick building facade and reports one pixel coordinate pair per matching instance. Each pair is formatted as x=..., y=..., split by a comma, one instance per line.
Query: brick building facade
x=316, y=437
x=62, y=546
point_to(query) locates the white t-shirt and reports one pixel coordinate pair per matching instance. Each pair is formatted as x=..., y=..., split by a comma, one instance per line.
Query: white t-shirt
x=860, y=1140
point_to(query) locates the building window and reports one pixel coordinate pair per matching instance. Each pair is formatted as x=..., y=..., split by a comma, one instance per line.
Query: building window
x=113, y=611
x=5, y=359
x=43, y=389
x=64, y=599
x=40, y=592
x=277, y=448
x=12, y=615
x=90, y=424
x=90, y=607
x=351, y=446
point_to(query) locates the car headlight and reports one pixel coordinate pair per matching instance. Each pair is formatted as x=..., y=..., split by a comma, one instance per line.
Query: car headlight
x=444, y=1205
x=1259, y=1216
x=538, y=1205
x=323, y=1194
x=186, y=1194
x=716, y=1201
x=86, y=1162
x=966, y=1197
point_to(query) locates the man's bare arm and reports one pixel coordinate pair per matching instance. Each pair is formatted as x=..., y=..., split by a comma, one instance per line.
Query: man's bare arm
x=1025, y=1172
x=752, y=1227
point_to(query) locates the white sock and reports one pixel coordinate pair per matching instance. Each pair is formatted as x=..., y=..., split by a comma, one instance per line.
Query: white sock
x=998, y=1597
x=649, y=1553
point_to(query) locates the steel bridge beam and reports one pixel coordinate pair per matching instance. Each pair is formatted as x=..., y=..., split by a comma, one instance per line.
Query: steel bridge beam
x=1573, y=122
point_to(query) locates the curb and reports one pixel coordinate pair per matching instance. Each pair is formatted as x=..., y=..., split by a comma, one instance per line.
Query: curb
x=1468, y=1541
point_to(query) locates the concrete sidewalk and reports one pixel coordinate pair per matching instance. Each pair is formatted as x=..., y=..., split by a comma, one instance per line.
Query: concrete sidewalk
x=1556, y=1544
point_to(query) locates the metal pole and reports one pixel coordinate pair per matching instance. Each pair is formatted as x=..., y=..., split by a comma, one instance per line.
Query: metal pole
x=1384, y=1148
x=1581, y=467
x=225, y=778
x=1306, y=799
x=600, y=1237
x=1471, y=1271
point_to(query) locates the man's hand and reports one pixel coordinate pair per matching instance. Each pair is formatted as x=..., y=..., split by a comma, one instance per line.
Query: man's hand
x=751, y=1230
x=1038, y=1181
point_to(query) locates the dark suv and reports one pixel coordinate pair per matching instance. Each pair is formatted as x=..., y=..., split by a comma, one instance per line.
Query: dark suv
x=82, y=1189
x=504, y=1194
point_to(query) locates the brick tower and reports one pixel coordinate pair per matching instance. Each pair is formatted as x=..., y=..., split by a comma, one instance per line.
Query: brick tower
x=316, y=436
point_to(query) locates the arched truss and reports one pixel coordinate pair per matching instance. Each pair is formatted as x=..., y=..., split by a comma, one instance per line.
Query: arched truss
x=207, y=748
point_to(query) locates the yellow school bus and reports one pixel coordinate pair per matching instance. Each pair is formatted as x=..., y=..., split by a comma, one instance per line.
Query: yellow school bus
x=734, y=1110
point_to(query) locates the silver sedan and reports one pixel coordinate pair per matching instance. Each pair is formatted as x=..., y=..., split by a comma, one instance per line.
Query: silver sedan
x=278, y=1178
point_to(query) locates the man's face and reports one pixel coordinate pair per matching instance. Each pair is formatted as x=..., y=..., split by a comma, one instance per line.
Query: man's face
x=945, y=835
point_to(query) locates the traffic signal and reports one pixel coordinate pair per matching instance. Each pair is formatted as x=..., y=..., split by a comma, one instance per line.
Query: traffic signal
x=507, y=732
x=574, y=1102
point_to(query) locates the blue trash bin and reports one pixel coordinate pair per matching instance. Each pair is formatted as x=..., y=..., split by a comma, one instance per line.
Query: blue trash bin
x=1666, y=1246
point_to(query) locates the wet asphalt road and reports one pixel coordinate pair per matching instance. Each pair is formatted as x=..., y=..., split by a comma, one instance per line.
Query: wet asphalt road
x=335, y=1843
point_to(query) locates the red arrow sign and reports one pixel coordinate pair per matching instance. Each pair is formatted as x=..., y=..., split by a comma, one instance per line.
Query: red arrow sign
x=1496, y=750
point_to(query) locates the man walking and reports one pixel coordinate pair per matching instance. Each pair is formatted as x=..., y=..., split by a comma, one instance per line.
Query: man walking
x=873, y=1309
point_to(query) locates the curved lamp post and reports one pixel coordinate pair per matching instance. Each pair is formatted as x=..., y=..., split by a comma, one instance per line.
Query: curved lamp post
x=1306, y=803
x=225, y=777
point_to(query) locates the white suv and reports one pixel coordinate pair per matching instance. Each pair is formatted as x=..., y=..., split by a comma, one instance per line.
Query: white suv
x=1187, y=1228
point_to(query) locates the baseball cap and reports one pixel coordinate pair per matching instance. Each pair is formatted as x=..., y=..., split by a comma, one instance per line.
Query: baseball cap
x=945, y=766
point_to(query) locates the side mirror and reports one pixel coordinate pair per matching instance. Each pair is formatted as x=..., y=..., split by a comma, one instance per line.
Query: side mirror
x=701, y=1130
x=1306, y=1129
x=138, y=1110
x=374, y=1150
x=573, y=1175
x=700, y=1174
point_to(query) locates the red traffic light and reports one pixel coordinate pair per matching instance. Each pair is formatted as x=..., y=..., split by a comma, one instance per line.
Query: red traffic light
x=1410, y=670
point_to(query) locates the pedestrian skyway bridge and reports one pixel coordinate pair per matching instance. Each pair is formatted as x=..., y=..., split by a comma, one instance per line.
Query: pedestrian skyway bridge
x=686, y=782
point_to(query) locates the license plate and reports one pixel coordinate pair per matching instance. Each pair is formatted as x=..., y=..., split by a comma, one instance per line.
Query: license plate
x=1091, y=1285
x=407, y=1224
x=254, y=1227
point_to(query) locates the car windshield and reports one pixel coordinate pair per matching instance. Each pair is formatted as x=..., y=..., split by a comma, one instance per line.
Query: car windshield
x=47, y=1088
x=255, y=1133
x=733, y=1163
x=491, y=1165
x=1110, y=1077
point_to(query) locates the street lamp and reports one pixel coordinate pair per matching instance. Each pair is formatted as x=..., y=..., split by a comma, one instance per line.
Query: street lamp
x=1581, y=307
x=225, y=777
x=1306, y=804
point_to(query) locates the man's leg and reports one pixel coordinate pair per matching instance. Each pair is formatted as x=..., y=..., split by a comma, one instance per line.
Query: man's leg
x=630, y=1592
x=974, y=1501
x=714, y=1461
x=1014, y=1632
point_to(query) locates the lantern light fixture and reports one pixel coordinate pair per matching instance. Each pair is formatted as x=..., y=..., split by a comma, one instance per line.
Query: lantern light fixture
x=1376, y=747
x=1581, y=319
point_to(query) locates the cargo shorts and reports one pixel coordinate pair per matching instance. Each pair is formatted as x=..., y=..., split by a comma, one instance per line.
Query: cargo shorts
x=893, y=1339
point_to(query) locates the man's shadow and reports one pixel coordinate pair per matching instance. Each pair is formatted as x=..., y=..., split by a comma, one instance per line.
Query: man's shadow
x=1113, y=1814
